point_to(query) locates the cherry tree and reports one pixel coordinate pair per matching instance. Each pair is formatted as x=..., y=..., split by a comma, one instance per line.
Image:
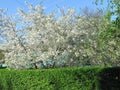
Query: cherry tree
x=41, y=40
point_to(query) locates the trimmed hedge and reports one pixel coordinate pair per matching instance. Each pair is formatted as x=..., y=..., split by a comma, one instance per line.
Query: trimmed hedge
x=87, y=78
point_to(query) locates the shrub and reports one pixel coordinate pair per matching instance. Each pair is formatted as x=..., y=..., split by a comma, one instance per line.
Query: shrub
x=50, y=79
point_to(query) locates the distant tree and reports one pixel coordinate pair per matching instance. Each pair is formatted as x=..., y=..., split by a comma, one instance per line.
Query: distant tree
x=110, y=36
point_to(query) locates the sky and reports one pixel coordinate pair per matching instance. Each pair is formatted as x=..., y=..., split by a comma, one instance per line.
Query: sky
x=49, y=5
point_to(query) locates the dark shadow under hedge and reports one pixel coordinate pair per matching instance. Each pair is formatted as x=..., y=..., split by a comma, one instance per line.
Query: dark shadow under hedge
x=110, y=78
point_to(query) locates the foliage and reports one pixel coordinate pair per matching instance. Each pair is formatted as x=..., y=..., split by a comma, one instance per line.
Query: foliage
x=50, y=79
x=109, y=35
x=1, y=55
x=33, y=39
x=45, y=40
x=87, y=78
x=113, y=7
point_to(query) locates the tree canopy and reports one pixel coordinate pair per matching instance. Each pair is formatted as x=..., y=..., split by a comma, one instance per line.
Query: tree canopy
x=71, y=40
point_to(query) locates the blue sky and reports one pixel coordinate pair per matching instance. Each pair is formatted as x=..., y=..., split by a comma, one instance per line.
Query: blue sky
x=49, y=5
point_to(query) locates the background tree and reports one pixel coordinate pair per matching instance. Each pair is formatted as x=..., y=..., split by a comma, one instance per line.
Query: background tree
x=34, y=39
x=110, y=36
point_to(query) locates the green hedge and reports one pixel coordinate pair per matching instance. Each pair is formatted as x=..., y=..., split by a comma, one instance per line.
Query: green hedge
x=87, y=78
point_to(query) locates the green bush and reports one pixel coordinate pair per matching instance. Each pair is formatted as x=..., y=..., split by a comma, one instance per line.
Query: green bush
x=87, y=78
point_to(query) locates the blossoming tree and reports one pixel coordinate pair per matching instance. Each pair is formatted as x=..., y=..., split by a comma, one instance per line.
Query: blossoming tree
x=41, y=40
